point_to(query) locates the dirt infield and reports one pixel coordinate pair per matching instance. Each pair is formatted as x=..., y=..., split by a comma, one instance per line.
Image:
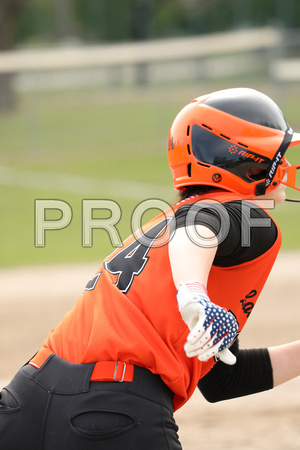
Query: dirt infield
x=33, y=300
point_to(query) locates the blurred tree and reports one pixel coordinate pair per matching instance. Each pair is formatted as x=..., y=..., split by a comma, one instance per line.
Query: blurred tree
x=91, y=19
x=140, y=19
x=48, y=22
x=171, y=18
x=140, y=30
x=122, y=20
x=10, y=11
x=37, y=24
x=66, y=29
x=117, y=18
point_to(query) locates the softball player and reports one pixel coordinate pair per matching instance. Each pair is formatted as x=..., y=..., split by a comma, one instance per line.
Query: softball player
x=162, y=315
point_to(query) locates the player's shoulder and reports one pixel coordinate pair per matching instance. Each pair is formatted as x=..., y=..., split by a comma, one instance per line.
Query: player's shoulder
x=236, y=208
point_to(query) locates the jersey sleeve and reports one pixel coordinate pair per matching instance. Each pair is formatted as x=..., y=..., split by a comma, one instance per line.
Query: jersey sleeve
x=249, y=234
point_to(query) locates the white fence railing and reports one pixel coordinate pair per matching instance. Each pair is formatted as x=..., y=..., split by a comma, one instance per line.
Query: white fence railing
x=196, y=57
x=164, y=50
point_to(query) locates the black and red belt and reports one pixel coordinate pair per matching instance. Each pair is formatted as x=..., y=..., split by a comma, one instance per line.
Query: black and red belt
x=103, y=370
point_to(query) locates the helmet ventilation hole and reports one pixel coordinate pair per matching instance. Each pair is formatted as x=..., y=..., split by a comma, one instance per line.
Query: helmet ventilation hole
x=225, y=137
x=221, y=134
x=206, y=126
x=242, y=145
x=202, y=164
x=188, y=131
x=189, y=169
x=188, y=149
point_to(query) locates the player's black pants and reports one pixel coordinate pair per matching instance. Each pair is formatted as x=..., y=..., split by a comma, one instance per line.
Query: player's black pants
x=56, y=407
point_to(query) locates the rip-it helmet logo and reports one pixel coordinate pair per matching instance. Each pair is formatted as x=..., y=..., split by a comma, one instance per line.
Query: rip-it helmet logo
x=217, y=177
x=233, y=149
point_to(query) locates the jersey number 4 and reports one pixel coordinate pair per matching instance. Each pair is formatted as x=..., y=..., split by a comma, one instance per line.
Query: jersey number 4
x=131, y=261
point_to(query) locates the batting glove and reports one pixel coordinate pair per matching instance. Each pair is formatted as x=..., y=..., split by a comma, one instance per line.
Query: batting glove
x=213, y=328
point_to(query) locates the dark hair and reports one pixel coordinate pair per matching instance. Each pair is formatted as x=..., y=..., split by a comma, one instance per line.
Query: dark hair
x=188, y=191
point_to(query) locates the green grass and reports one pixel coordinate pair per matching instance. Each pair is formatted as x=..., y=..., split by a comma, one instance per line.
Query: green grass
x=111, y=138
x=112, y=141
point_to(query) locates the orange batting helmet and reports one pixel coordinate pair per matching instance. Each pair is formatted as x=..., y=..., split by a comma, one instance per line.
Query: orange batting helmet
x=233, y=139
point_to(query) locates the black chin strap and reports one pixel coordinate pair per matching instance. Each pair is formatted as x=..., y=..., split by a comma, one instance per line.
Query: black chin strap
x=261, y=187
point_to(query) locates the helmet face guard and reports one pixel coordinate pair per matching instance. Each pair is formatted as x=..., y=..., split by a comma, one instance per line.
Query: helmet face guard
x=289, y=175
x=212, y=143
x=291, y=180
x=277, y=161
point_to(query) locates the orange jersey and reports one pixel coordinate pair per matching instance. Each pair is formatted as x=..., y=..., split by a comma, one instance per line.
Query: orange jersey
x=129, y=312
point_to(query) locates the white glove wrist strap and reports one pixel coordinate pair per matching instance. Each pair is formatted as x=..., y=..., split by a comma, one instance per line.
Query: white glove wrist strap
x=189, y=292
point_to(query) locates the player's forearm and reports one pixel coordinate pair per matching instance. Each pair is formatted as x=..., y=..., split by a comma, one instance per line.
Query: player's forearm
x=252, y=373
x=285, y=360
x=189, y=260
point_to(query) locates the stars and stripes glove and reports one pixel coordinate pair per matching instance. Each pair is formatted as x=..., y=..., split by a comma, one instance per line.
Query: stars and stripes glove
x=212, y=328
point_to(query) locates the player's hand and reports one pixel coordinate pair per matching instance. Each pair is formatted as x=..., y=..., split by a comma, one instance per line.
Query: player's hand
x=213, y=328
